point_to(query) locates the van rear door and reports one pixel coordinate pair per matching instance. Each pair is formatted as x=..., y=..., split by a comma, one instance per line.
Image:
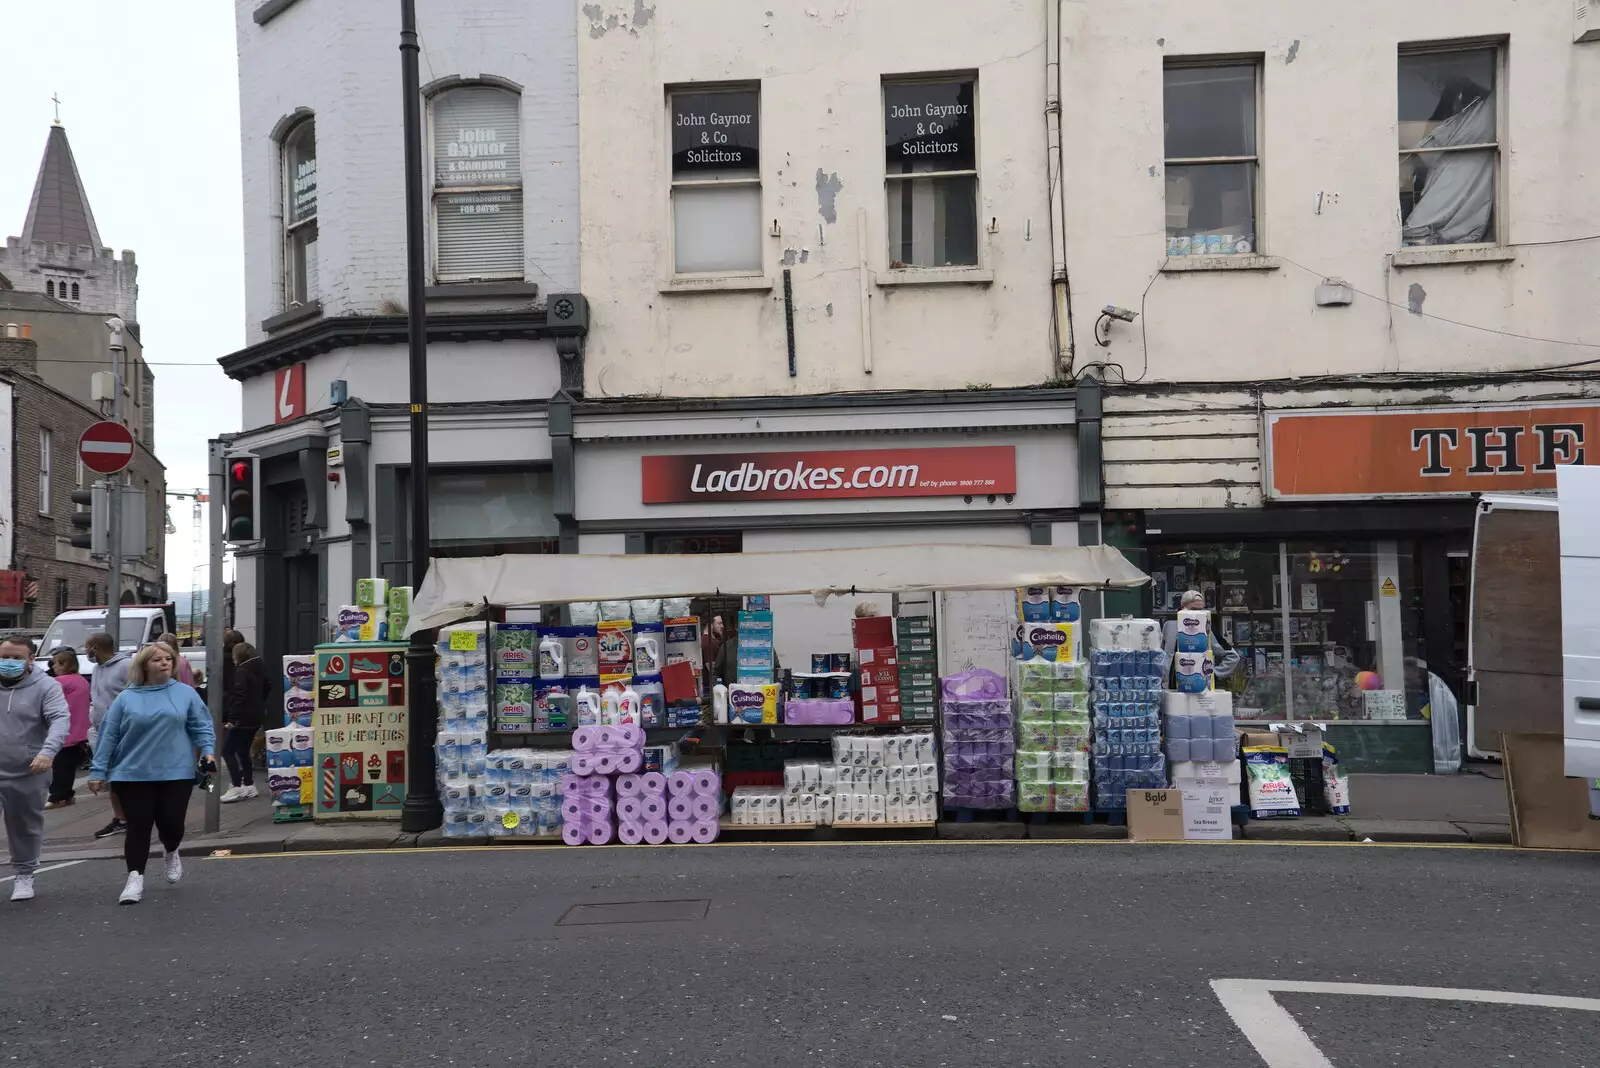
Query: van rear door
x=1579, y=491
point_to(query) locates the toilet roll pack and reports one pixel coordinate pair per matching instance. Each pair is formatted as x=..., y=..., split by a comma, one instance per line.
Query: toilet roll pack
x=1127, y=668
x=299, y=690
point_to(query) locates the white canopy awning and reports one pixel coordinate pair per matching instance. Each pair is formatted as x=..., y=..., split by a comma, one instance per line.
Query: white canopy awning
x=458, y=589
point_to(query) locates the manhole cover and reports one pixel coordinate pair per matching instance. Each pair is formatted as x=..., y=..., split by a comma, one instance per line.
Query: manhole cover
x=686, y=910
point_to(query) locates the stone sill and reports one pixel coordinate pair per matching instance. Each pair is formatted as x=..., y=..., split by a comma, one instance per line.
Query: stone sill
x=482, y=291
x=935, y=276
x=294, y=316
x=1232, y=262
x=1446, y=255
x=737, y=283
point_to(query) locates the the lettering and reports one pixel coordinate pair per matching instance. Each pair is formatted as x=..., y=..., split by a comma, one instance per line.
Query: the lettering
x=1506, y=450
x=1434, y=439
x=1559, y=443
x=748, y=478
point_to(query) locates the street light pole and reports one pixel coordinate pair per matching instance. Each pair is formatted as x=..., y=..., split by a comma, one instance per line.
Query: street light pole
x=422, y=811
x=113, y=485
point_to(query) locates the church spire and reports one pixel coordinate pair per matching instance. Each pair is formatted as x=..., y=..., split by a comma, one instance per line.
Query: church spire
x=59, y=211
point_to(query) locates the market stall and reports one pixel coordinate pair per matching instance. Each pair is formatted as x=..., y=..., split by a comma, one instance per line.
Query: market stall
x=575, y=702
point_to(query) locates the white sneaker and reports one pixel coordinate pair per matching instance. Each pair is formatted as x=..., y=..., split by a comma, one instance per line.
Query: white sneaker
x=133, y=891
x=22, y=890
x=247, y=792
x=232, y=795
x=174, y=866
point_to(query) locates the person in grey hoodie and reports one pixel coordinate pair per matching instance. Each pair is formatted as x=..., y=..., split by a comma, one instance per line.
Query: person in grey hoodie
x=110, y=679
x=34, y=722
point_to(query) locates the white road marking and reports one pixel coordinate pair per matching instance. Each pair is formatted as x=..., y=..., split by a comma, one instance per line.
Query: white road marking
x=47, y=867
x=1282, y=1043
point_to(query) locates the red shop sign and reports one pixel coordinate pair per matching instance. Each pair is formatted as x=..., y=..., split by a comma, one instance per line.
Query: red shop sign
x=815, y=476
x=11, y=588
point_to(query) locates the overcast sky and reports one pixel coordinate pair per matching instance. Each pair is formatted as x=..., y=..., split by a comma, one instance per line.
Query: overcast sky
x=150, y=100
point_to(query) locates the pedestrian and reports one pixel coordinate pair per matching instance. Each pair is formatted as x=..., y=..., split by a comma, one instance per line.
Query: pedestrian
x=711, y=645
x=184, y=673
x=1224, y=657
x=244, y=710
x=147, y=752
x=109, y=679
x=75, y=753
x=33, y=726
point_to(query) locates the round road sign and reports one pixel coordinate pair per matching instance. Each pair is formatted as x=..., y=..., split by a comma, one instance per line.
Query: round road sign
x=106, y=447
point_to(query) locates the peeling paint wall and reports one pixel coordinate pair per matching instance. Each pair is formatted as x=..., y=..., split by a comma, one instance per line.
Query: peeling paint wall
x=820, y=67
x=1327, y=208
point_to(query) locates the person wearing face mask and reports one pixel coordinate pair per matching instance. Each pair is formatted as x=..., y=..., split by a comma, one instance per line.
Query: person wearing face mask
x=34, y=722
x=149, y=742
x=109, y=680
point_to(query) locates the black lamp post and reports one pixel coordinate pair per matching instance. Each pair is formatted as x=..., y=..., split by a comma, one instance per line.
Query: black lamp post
x=422, y=811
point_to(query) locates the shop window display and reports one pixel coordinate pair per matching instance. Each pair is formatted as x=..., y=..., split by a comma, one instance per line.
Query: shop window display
x=1322, y=630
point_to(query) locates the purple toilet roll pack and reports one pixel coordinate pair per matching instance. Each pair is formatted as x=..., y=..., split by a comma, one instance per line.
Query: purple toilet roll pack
x=979, y=744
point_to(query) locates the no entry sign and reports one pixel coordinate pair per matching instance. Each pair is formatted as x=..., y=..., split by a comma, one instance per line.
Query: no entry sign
x=106, y=447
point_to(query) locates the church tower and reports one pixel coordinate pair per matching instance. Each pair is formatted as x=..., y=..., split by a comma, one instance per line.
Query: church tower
x=59, y=253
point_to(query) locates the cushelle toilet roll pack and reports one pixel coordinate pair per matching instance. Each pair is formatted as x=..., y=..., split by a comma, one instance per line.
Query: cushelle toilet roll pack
x=1050, y=688
x=381, y=613
x=1128, y=668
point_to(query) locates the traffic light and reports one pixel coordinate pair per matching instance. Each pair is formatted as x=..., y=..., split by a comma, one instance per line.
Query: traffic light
x=83, y=520
x=243, y=517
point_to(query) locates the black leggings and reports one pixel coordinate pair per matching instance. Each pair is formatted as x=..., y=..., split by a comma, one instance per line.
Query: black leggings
x=236, y=754
x=161, y=805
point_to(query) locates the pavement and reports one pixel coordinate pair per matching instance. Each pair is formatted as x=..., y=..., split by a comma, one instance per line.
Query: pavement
x=1461, y=809
x=1009, y=954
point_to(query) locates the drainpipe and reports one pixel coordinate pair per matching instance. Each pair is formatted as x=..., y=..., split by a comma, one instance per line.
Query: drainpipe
x=1060, y=288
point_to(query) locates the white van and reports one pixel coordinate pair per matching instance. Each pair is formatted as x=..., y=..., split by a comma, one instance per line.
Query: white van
x=140, y=624
x=1579, y=491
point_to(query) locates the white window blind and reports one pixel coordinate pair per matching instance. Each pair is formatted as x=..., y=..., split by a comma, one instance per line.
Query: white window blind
x=477, y=185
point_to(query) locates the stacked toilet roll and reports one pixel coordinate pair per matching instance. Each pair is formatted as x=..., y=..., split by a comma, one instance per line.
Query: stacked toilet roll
x=694, y=802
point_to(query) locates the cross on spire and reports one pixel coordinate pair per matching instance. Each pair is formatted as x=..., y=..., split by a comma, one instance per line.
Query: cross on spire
x=56, y=99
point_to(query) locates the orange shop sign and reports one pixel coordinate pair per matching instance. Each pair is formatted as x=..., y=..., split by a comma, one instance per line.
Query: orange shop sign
x=1419, y=452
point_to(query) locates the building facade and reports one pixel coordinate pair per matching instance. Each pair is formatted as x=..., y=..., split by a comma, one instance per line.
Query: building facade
x=323, y=376
x=40, y=426
x=1363, y=256
x=58, y=286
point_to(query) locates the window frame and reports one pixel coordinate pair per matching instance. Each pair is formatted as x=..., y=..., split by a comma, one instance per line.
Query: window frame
x=1497, y=215
x=46, y=447
x=431, y=99
x=1257, y=62
x=291, y=229
x=980, y=246
x=675, y=183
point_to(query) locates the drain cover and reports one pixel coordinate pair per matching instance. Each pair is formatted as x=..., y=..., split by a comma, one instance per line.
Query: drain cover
x=684, y=910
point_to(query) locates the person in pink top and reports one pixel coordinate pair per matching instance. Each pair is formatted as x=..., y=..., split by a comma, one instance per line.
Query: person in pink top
x=183, y=672
x=75, y=753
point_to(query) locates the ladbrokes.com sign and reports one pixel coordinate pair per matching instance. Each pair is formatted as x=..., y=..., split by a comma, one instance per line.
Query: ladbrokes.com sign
x=812, y=476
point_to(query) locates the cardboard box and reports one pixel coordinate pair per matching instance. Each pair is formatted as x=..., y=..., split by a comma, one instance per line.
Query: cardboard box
x=877, y=656
x=1302, y=742
x=921, y=647
x=1155, y=816
x=876, y=674
x=873, y=632
x=914, y=627
x=1208, y=813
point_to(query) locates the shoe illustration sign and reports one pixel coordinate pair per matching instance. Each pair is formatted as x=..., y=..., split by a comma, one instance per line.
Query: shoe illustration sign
x=359, y=730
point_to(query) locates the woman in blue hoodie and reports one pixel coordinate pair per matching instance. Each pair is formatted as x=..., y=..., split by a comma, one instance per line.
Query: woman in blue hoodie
x=149, y=744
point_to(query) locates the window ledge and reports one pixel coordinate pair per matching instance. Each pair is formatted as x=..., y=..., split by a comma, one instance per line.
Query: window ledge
x=1231, y=262
x=936, y=276
x=1444, y=255
x=307, y=311
x=481, y=290
x=738, y=283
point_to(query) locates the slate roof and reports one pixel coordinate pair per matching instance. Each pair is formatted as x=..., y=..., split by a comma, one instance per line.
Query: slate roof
x=59, y=211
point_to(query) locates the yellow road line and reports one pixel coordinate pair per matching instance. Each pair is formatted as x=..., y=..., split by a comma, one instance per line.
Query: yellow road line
x=532, y=848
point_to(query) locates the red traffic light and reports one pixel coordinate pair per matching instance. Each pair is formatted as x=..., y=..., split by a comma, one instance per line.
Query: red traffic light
x=241, y=470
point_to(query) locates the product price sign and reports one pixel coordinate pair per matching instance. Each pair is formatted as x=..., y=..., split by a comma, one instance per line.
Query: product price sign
x=930, y=126
x=1384, y=704
x=716, y=132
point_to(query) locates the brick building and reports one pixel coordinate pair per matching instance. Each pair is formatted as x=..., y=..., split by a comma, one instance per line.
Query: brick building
x=40, y=425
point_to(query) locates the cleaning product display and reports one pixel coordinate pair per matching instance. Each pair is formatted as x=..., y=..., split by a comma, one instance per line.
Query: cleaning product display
x=1127, y=666
x=979, y=741
x=1053, y=734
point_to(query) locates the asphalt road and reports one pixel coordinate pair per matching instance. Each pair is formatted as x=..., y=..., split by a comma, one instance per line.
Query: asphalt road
x=907, y=955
